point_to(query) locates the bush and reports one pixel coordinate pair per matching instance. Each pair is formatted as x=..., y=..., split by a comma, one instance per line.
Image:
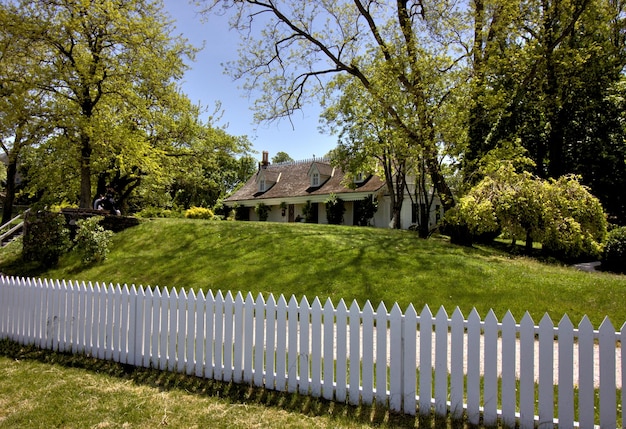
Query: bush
x=614, y=256
x=365, y=210
x=45, y=238
x=199, y=213
x=158, y=212
x=92, y=240
x=335, y=209
x=262, y=210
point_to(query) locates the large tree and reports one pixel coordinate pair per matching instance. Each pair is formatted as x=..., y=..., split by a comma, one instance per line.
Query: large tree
x=110, y=69
x=300, y=44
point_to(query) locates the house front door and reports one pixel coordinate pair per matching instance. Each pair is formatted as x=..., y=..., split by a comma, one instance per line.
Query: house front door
x=291, y=213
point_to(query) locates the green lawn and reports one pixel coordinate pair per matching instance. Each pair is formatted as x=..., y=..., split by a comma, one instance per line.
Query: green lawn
x=344, y=262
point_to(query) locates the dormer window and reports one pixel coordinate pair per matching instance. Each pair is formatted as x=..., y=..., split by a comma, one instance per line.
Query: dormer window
x=262, y=185
x=359, y=178
x=315, y=179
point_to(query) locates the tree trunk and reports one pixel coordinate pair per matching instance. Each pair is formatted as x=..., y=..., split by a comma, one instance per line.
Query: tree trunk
x=7, y=209
x=85, y=173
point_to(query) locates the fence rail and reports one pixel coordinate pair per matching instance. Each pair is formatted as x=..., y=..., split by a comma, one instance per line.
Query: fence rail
x=490, y=371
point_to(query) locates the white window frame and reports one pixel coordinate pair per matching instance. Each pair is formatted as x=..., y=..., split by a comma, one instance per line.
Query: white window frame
x=315, y=179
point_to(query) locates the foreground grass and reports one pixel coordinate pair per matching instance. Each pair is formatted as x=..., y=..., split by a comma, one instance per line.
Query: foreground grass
x=349, y=263
x=41, y=389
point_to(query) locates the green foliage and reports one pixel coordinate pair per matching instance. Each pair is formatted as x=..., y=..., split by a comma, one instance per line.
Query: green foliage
x=92, y=240
x=561, y=214
x=365, y=210
x=281, y=157
x=307, y=212
x=159, y=212
x=45, y=238
x=614, y=256
x=262, y=210
x=335, y=208
x=199, y=213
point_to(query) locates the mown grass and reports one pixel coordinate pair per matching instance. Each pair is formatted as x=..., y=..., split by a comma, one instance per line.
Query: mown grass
x=43, y=389
x=340, y=262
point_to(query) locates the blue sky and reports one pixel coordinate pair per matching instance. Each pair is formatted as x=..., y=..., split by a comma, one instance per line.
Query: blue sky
x=206, y=83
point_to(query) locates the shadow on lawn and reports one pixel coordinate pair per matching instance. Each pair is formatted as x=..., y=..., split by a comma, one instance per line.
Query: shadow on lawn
x=374, y=415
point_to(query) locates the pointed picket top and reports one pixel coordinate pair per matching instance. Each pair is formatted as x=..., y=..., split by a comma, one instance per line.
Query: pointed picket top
x=381, y=309
x=191, y=295
x=441, y=314
x=341, y=307
x=219, y=298
x=606, y=327
x=282, y=303
x=491, y=317
x=457, y=316
x=527, y=320
x=126, y=289
x=585, y=324
x=368, y=310
x=328, y=305
x=183, y=294
x=426, y=315
x=508, y=318
x=317, y=305
x=270, y=301
x=293, y=304
x=397, y=313
x=354, y=307
x=260, y=302
x=304, y=303
x=565, y=323
x=546, y=320
x=473, y=316
x=118, y=289
x=174, y=294
x=228, y=299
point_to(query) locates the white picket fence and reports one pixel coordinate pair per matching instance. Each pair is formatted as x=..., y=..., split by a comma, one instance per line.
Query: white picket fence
x=491, y=371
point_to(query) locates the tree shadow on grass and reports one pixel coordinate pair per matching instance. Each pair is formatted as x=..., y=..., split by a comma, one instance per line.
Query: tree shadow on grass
x=373, y=415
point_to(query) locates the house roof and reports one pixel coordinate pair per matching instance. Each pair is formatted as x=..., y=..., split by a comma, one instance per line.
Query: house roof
x=295, y=183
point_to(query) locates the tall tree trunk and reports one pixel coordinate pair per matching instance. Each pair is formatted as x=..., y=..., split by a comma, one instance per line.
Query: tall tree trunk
x=9, y=199
x=85, y=172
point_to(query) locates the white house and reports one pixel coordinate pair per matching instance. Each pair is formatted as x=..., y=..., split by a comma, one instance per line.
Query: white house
x=287, y=187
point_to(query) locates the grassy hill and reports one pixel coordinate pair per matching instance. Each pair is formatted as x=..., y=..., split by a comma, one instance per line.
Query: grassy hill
x=349, y=263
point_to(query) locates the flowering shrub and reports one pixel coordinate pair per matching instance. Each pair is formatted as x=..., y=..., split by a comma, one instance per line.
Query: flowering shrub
x=199, y=213
x=92, y=240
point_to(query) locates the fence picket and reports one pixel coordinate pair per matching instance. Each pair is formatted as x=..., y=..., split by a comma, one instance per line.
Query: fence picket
x=210, y=336
x=527, y=373
x=367, y=355
x=623, y=356
x=228, y=336
x=259, y=339
x=247, y=335
x=292, y=345
x=490, y=365
x=441, y=362
x=457, y=341
x=408, y=358
x=381, y=354
x=309, y=349
x=396, y=365
x=281, y=344
x=341, y=370
x=426, y=360
x=546, y=373
x=270, y=342
x=354, y=353
x=566, y=373
x=608, y=393
x=509, y=358
x=316, y=348
x=304, y=349
x=164, y=325
x=329, y=349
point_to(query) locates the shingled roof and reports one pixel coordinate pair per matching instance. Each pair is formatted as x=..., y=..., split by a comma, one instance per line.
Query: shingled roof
x=293, y=181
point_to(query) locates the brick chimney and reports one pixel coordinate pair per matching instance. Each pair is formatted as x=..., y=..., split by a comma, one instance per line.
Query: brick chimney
x=265, y=162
